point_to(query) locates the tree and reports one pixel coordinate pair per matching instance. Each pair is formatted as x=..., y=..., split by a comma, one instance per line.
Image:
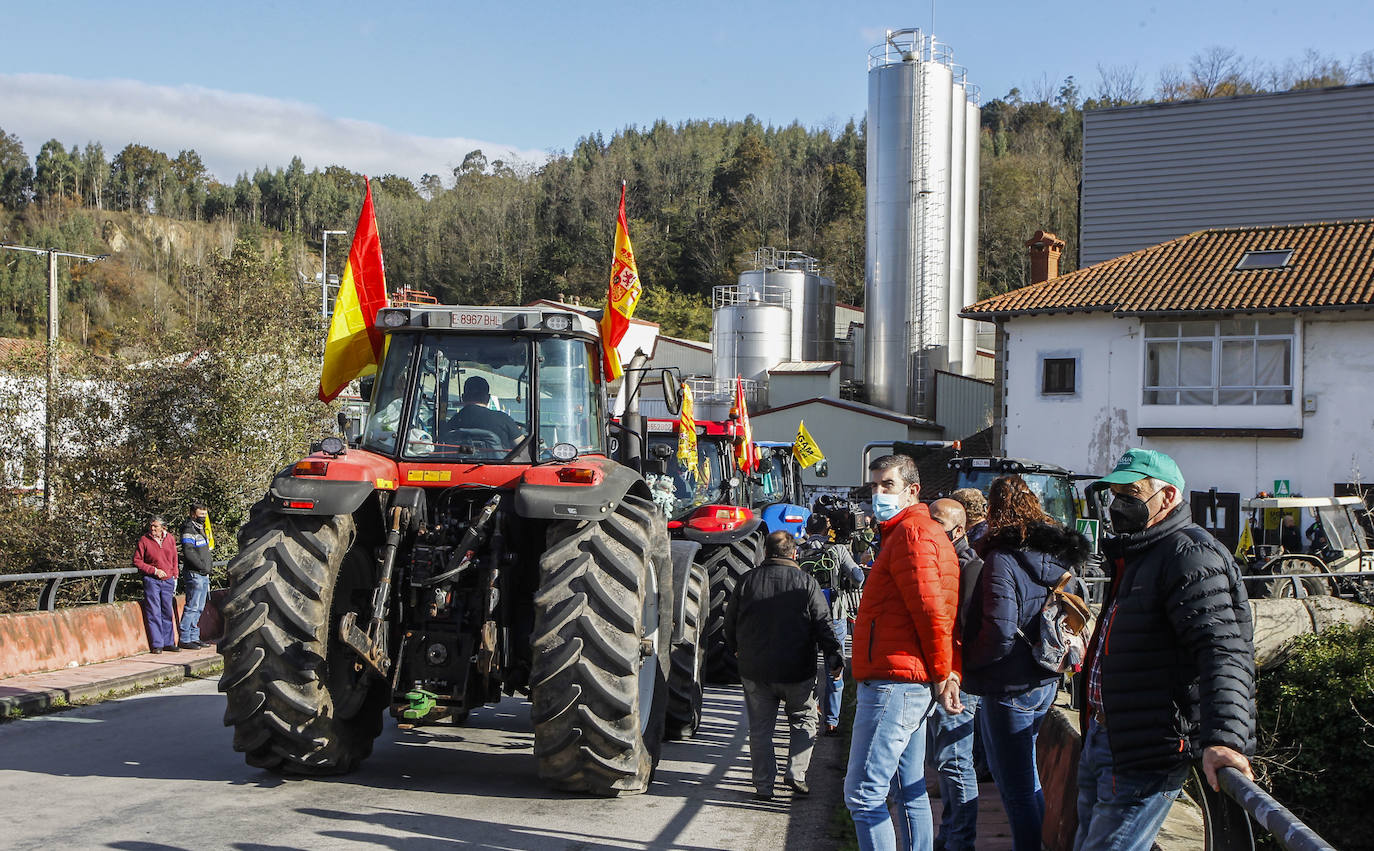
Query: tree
x=54, y=173
x=16, y=177
x=136, y=174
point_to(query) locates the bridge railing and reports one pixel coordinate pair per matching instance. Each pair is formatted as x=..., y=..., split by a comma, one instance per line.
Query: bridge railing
x=52, y=582
x=1230, y=815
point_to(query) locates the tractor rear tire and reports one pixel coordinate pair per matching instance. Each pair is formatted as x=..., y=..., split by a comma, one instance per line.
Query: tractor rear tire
x=296, y=698
x=726, y=565
x=598, y=686
x=686, y=677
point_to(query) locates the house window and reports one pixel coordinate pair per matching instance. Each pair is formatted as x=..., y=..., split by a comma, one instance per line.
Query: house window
x=1264, y=259
x=1227, y=362
x=1058, y=376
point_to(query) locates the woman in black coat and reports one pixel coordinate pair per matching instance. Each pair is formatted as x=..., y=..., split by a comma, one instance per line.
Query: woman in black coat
x=1025, y=554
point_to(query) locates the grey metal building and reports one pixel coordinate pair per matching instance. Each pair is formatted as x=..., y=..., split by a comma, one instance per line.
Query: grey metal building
x=1159, y=171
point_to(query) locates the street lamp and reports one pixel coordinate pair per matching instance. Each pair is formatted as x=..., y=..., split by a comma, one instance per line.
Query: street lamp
x=324, y=271
x=51, y=403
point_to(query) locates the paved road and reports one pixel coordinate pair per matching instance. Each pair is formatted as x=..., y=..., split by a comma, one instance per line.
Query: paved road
x=156, y=771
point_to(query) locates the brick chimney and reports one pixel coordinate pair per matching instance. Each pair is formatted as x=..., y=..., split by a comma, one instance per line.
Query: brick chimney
x=1045, y=249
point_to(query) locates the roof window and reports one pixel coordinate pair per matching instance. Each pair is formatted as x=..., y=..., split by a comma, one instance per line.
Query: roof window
x=1264, y=259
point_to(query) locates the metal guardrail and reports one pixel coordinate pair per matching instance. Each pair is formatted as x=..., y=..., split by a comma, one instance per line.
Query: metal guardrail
x=1230, y=815
x=52, y=581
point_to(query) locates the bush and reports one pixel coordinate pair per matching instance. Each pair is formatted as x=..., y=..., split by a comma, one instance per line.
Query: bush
x=1316, y=720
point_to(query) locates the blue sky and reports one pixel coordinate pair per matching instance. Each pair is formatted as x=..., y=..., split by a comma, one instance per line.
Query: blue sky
x=410, y=87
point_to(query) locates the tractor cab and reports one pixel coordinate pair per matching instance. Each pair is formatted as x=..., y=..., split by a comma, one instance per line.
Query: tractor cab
x=489, y=386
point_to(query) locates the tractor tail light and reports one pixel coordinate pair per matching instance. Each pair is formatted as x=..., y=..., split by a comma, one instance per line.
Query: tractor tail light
x=300, y=503
x=310, y=467
x=719, y=518
x=577, y=476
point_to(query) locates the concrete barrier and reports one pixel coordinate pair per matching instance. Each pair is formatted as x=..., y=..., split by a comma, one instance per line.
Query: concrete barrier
x=32, y=642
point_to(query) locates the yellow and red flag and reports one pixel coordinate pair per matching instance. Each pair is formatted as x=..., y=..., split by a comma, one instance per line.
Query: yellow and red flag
x=744, y=435
x=687, y=434
x=354, y=345
x=623, y=296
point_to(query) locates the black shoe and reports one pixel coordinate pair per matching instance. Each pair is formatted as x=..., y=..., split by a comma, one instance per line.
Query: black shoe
x=832, y=729
x=172, y=648
x=800, y=787
x=763, y=796
x=156, y=650
x=193, y=645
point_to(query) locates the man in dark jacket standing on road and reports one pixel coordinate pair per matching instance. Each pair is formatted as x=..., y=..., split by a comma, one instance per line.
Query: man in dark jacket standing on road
x=195, y=555
x=774, y=622
x=1171, y=665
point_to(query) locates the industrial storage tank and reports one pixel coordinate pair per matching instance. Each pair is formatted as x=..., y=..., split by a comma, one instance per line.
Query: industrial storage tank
x=796, y=277
x=751, y=330
x=922, y=207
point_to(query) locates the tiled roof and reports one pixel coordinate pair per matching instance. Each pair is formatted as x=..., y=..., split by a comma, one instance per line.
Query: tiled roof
x=1332, y=266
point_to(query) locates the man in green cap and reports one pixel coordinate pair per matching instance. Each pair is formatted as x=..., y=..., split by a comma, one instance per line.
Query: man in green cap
x=1171, y=665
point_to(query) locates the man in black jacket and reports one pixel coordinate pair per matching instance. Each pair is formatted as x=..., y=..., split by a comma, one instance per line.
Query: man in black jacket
x=1171, y=667
x=774, y=622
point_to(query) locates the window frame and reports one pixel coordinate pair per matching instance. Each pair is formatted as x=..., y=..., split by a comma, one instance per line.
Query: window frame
x=1062, y=389
x=1154, y=336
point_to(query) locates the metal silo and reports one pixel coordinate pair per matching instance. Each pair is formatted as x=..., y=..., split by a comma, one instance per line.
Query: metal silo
x=751, y=329
x=919, y=206
x=973, y=140
x=796, y=277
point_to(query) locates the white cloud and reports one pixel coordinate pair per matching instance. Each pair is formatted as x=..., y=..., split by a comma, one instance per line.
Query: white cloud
x=233, y=133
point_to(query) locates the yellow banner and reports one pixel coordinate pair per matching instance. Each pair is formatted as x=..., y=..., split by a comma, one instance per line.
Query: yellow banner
x=687, y=434
x=1246, y=542
x=805, y=448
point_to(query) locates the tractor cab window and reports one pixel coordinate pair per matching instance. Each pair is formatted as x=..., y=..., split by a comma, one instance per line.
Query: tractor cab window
x=774, y=487
x=469, y=399
x=679, y=491
x=569, y=396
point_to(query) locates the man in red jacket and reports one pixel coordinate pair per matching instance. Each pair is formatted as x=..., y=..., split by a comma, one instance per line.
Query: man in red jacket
x=904, y=659
x=155, y=556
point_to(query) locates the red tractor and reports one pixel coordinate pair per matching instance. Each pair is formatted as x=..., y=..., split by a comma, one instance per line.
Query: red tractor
x=486, y=534
x=709, y=514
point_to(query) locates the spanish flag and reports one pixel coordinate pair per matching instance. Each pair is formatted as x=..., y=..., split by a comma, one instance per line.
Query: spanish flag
x=805, y=448
x=623, y=296
x=354, y=345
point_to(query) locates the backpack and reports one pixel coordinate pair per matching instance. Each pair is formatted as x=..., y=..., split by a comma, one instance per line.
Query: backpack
x=1065, y=625
x=816, y=559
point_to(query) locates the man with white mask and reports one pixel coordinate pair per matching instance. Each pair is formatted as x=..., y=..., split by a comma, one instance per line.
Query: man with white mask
x=904, y=660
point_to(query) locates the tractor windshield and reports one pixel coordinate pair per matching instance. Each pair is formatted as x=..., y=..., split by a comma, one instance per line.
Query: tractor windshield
x=470, y=397
x=678, y=492
x=778, y=484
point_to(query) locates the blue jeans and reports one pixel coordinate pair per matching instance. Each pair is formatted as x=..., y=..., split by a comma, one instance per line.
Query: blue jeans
x=197, y=591
x=950, y=739
x=159, y=611
x=887, y=753
x=1010, y=724
x=1123, y=810
x=834, y=688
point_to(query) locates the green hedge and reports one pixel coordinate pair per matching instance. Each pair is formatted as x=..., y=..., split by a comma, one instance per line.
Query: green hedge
x=1316, y=739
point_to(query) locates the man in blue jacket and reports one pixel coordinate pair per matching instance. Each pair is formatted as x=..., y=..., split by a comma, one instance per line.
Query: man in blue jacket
x=196, y=558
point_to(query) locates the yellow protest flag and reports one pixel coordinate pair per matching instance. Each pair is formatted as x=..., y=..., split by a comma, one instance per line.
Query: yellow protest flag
x=687, y=433
x=209, y=532
x=1247, y=541
x=805, y=448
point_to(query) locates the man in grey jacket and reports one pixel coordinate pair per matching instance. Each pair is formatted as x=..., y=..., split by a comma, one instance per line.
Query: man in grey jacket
x=774, y=622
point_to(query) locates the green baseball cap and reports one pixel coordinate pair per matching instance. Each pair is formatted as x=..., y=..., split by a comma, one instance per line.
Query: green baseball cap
x=1139, y=464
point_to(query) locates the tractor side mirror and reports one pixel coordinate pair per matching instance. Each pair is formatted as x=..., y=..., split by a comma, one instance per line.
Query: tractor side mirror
x=766, y=465
x=822, y=468
x=365, y=385
x=343, y=425
x=672, y=391
x=662, y=451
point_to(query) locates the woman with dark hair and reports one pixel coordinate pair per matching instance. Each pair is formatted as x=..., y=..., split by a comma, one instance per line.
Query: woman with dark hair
x=1025, y=554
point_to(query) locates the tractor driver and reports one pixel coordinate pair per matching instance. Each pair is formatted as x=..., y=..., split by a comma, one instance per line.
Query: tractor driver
x=476, y=415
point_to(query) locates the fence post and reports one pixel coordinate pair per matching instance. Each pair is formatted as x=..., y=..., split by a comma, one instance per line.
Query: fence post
x=47, y=598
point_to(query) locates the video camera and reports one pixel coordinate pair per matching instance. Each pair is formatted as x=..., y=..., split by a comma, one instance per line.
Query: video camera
x=844, y=514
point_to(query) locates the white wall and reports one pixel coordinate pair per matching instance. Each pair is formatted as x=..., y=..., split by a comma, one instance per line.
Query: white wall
x=1089, y=430
x=784, y=388
x=840, y=433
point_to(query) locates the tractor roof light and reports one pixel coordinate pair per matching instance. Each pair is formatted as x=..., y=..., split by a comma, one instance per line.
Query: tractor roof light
x=719, y=518
x=558, y=322
x=393, y=317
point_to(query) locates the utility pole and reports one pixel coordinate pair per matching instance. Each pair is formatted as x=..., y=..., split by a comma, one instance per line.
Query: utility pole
x=324, y=273
x=50, y=406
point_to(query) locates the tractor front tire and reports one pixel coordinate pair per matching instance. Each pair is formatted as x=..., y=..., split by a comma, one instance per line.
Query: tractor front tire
x=297, y=699
x=726, y=565
x=598, y=685
x=688, y=659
